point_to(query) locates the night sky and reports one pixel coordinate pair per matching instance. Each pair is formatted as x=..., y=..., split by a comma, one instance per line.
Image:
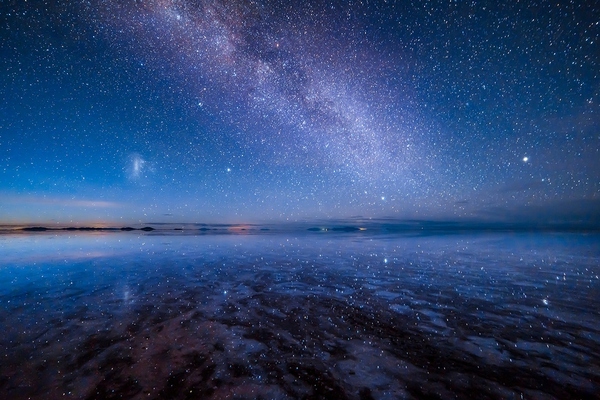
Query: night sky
x=116, y=112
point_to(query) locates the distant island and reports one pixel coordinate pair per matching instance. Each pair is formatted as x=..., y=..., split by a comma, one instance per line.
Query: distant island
x=84, y=228
x=418, y=227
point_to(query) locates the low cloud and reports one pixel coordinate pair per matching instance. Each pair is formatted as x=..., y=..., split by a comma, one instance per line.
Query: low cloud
x=57, y=201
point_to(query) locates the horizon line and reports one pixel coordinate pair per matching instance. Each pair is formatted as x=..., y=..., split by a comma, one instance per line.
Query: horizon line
x=334, y=225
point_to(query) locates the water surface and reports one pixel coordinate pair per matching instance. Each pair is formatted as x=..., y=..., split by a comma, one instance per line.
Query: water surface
x=299, y=315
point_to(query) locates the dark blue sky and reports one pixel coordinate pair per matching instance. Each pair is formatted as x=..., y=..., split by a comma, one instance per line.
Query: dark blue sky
x=248, y=111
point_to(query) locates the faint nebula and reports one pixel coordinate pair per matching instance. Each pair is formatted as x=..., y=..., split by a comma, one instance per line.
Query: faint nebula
x=136, y=167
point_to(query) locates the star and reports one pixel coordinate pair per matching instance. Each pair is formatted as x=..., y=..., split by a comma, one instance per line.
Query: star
x=311, y=105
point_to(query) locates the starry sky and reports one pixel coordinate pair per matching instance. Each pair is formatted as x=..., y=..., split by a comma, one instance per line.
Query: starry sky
x=272, y=110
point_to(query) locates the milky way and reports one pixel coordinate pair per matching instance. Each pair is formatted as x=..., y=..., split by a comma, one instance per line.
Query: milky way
x=272, y=110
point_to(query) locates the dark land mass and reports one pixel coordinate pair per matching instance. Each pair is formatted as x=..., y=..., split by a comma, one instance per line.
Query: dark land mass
x=84, y=229
x=383, y=226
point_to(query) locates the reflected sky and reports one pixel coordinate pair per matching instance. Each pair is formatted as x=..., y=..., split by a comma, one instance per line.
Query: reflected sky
x=284, y=316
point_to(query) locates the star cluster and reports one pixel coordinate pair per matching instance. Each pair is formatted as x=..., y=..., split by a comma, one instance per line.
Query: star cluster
x=196, y=110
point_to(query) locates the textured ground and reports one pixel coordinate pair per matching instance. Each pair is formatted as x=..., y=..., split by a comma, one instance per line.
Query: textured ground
x=311, y=317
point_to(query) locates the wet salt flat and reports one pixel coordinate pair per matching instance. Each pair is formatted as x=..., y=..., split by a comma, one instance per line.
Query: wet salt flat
x=312, y=315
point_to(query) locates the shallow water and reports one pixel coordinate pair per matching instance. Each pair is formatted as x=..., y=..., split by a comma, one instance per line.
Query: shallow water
x=311, y=315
